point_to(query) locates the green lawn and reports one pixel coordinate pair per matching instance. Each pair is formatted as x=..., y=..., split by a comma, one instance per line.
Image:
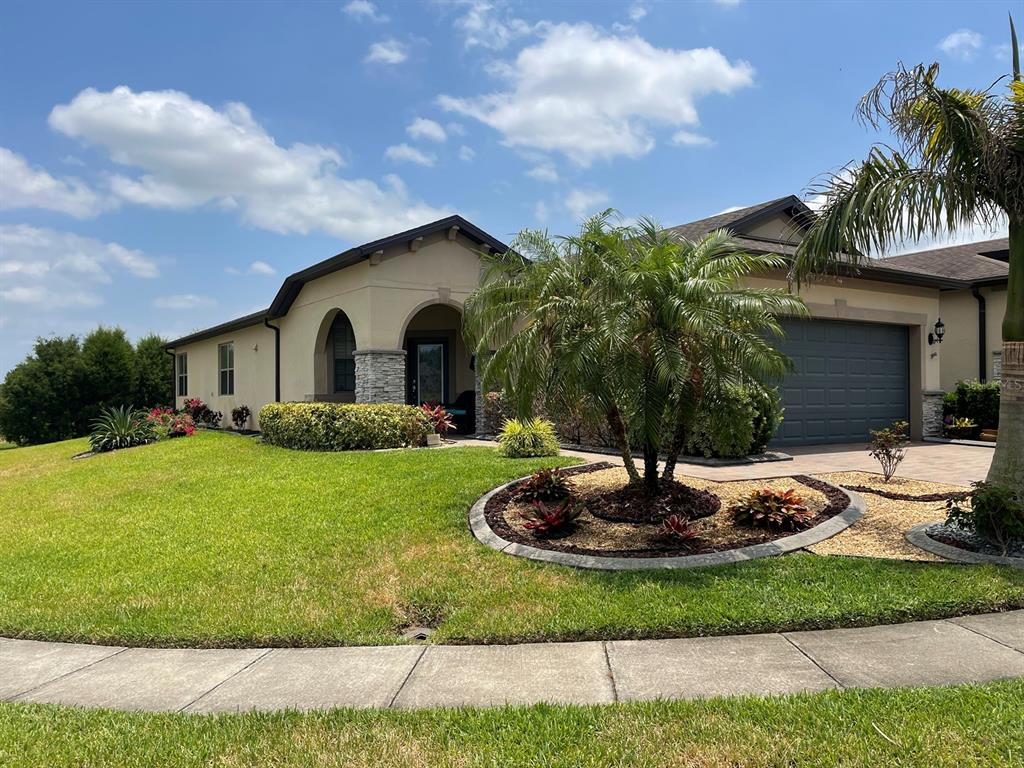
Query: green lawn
x=218, y=540
x=962, y=726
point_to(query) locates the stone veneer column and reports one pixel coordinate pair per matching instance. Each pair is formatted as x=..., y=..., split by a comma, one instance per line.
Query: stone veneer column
x=380, y=375
x=931, y=416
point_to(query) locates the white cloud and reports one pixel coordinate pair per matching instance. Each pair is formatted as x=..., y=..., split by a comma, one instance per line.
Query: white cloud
x=583, y=202
x=56, y=270
x=690, y=139
x=422, y=128
x=466, y=153
x=540, y=212
x=364, y=10
x=591, y=95
x=403, y=153
x=22, y=186
x=636, y=12
x=728, y=3
x=262, y=268
x=183, y=301
x=543, y=172
x=962, y=44
x=389, y=51
x=189, y=154
x=487, y=25
x=456, y=129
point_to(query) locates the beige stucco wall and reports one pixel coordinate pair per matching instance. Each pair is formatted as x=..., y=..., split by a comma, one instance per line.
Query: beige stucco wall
x=381, y=298
x=254, y=371
x=959, y=348
x=776, y=228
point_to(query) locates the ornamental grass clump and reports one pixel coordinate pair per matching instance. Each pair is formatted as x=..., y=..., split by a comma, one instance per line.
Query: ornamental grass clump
x=889, y=447
x=767, y=508
x=522, y=439
x=120, y=427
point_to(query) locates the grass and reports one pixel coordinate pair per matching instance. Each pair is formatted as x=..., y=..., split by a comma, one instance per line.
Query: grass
x=960, y=726
x=218, y=540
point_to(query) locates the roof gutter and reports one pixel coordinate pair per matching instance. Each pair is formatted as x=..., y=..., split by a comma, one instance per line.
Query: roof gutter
x=277, y=359
x=982, y=336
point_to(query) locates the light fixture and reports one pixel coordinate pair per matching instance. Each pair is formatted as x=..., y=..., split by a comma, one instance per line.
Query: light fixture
x=940, y=331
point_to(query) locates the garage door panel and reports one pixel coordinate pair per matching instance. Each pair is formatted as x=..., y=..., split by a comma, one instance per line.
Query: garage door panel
x=849, y=378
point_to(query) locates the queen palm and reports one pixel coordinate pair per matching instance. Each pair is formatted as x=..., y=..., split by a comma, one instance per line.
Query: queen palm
x=636, y=323
x=959, y=162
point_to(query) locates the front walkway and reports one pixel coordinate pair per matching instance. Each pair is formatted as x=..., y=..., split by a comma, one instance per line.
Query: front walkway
x=963, y=650
x=935, y=462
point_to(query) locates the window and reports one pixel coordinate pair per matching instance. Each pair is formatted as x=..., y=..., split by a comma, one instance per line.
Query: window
x=182, y=364
x=344, y=346
x=226, y=355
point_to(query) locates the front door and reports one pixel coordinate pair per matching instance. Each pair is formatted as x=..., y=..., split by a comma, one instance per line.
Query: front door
x=428, y=371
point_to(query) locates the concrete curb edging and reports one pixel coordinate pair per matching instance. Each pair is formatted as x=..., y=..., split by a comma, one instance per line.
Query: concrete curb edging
x=485, y=535
x=920, y=539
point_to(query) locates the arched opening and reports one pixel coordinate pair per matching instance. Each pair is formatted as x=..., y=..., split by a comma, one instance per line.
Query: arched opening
x=438, y=363
x=334, y=366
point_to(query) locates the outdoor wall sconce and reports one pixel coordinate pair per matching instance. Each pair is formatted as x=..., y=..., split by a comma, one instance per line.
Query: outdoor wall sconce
x=940, y=331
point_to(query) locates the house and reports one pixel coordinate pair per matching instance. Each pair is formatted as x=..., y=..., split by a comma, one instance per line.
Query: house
x=381, y=322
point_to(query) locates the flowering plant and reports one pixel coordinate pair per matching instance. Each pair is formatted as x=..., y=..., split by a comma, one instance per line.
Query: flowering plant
x=166, y=423
x=201, y=413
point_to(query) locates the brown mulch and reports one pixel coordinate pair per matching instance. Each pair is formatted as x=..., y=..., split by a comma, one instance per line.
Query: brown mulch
x=631, y=504
x=593, y=535
x=895, y=496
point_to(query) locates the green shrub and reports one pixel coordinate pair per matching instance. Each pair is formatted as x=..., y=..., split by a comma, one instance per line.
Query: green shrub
x=735, y=421
x=995, y=512
x=889, y=447
x=343, y=427
x=120, y=427
x=975, y=401
x=526, y=438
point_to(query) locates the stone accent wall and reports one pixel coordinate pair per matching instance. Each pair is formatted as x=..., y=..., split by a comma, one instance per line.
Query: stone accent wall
x=380, y=376
x=480, y=427
x=931, y=418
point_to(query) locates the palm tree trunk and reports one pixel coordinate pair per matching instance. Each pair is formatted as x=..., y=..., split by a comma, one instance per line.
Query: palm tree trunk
x=651, y=470
x=675, y=447
x=615, y=424
x=1008, y=462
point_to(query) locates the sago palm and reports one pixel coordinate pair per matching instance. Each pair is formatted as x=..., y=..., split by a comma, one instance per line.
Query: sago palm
x=633, y=321
x=959, y=162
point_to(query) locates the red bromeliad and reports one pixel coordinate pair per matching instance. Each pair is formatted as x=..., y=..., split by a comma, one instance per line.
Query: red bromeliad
x=542, y=519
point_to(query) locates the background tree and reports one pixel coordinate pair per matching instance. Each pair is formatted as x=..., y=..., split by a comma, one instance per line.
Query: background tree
x=959, y=162
x=41, y=397
x=108, y=364
x=154, y=369
x=632, y=320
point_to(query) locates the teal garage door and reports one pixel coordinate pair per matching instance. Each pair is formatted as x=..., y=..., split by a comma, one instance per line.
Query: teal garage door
x=850, y=378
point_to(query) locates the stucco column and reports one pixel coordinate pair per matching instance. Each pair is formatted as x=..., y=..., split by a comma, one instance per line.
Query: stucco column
x=380, y=375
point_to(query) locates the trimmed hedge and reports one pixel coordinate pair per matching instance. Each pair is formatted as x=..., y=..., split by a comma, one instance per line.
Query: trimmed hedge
x=735, y=422
x=343, y=426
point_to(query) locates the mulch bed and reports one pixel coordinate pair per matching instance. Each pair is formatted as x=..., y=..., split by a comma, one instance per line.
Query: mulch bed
x=632, y=505
x=698, y=500
x=895, y=496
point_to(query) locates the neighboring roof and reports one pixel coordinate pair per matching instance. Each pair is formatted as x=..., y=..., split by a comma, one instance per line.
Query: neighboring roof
x=913, y=272
x=743, y=218
x=289, y=290
x=973, y=262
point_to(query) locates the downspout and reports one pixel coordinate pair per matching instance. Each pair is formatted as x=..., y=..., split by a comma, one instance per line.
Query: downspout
x=174, y=378
x=982, y=336
x=277, y=359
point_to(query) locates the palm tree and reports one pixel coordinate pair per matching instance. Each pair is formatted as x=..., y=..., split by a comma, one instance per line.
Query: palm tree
x=959, y=161
x=635, y=322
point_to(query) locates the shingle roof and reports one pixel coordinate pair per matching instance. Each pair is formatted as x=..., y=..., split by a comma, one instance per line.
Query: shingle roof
x=960, y=262
x=695, y=229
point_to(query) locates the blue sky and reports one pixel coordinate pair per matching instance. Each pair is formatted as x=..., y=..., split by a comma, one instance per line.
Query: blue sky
x=163, y=167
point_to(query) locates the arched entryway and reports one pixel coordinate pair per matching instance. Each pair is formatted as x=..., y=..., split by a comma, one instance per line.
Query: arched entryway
x=438, y=363
x=334, y=367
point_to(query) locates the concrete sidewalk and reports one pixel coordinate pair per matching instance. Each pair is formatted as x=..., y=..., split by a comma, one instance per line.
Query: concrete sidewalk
x=962, y=650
